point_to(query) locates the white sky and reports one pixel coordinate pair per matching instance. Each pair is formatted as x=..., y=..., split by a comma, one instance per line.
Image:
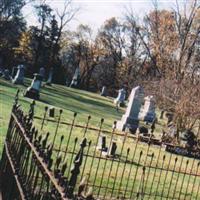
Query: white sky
x=95, y=12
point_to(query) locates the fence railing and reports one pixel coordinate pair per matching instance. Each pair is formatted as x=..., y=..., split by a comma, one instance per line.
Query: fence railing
x=83, y=162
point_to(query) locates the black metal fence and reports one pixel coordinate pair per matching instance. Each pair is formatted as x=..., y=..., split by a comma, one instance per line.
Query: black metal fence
x=84, y=162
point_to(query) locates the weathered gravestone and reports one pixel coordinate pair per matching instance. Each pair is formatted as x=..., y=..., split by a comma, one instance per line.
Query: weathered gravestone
x=112, y=149
x=104, y=91
x=6, y=75
x=147, y=113
x=49, y=81
x=33, y=91
x=19, y=78
x=130, y=119
x=121, y=97
x=76, y=79
x=52, y=111
x=102, y=143
x=42, y=73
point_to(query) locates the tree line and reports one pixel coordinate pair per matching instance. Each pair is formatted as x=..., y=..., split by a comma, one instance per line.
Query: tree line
x=159, y=51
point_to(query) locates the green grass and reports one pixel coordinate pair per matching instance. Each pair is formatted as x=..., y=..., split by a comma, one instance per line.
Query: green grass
x=85, y=104
x=62, y=97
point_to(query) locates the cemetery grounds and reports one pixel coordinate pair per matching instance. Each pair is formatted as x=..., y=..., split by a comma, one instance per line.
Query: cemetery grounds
x=147, y=170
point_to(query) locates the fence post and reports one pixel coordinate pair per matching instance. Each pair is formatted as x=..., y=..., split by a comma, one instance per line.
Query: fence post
x=76, y=169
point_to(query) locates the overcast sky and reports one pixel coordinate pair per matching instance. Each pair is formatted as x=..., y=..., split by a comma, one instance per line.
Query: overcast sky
x=95, y=12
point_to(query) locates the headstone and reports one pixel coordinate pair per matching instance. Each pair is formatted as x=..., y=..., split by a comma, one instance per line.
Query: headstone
x=42, y=72
x=121, y=97
x=34, y=90
x=49, y=81
x=19, y=78
x=112, y=149
x=76, y=79
x=130, y=119
x=147, y=113
x=143, y=130
x=102, y=143
x=6, y=75
x=104, y=91
x=51, y=112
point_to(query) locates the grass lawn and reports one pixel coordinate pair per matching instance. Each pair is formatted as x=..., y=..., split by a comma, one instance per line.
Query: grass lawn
x=68, y=99
x=85, y=104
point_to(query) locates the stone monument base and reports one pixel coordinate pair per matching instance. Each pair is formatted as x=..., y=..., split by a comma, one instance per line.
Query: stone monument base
x=32, y=93
x=18, y=81
x=147, y=117
x=127, y=123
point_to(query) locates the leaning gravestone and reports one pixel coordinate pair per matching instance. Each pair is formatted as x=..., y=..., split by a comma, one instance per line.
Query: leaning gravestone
x=148, y=112
x=49, y=81
x=102, y=143
x=42, y=72
x=33, y=91
x=6, y=75
x=104, y=91
x=121, y=97
x=19, y=78
x=130, y=119
x=76, y=79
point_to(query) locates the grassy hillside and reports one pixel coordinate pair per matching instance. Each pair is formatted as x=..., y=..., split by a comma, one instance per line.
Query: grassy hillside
x=68, y=99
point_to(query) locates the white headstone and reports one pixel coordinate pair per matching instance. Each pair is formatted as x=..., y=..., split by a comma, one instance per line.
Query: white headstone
x=19, y=78
x=34, y=90
x=131, y=118
x=121, y=96
x=76, y=78
x=104, y=91
x=147, y=113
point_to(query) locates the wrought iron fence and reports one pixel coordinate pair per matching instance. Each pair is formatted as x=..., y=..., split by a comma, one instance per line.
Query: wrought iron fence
x=84, y=162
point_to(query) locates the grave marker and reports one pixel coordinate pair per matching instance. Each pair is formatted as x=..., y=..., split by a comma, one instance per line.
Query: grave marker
x=33, y=91
x=147, y=113
x=104, y=91
x=121, y=97
x=130, y=119
x=19, y=77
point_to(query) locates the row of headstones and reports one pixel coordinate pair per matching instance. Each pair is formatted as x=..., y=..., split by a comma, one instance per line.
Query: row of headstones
x=19, y=77
x=109, y=152
x=135, y=111
x=34, y=90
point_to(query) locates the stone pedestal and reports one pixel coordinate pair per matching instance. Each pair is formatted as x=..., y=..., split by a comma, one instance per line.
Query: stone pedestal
x=148, y=112
x=130, y=120
x=76, y=79
x=121, y=97
x=104, y=91
x=33, y=91
x=19, y=78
